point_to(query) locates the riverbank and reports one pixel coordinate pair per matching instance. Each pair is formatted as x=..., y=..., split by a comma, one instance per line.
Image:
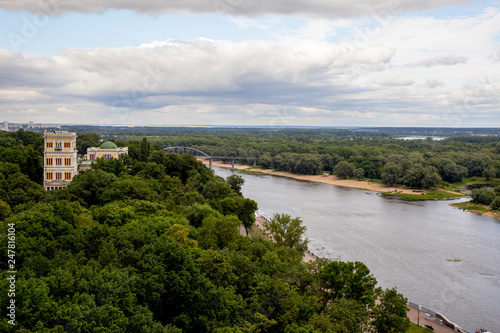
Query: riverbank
x=403, y=192
x=477, y=209
x=415, y=315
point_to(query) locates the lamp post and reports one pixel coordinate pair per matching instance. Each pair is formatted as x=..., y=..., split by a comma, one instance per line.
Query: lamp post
x=418, y=318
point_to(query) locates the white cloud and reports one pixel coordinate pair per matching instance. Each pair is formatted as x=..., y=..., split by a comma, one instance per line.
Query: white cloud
x=394, y=81
x=64, y=109
x=448, y=60
x=18, y=95
x=316, y=8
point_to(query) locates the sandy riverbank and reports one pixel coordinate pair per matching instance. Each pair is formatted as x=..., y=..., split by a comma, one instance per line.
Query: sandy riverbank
x=325, y=179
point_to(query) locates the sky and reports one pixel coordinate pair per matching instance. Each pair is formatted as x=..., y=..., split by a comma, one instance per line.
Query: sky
x=251, y=62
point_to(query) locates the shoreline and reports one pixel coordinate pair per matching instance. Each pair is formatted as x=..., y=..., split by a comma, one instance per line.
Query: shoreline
x=327, y=179
x=414, y=314
x=468, y=206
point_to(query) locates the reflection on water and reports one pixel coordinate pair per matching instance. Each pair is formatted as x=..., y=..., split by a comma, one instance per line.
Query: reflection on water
x=437, y=256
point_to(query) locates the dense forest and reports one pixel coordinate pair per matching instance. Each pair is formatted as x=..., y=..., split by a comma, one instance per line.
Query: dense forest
x=151, y=243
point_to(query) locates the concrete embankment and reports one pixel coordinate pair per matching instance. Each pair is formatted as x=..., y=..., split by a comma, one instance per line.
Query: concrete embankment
x=432, y=320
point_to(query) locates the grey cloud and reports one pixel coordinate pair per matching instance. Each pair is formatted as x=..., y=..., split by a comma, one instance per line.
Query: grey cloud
x=318, y=8
x=136, y=77
x=448, y=60
x=216, y=75
x=433, y=83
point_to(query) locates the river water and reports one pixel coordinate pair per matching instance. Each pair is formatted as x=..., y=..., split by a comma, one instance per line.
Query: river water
x=437, y=256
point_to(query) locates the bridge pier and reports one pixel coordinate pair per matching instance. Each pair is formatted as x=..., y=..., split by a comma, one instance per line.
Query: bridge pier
x=254, y=162
x=210, y=163
x=232, y=167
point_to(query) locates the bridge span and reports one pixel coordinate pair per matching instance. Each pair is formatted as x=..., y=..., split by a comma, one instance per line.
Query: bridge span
x=200, y=154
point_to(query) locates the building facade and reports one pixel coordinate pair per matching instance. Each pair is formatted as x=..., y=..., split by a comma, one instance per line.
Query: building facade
x=60, y=159
x=108, y=150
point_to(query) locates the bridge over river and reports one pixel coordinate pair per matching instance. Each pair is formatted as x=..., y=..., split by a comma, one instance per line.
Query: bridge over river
x=200, y=154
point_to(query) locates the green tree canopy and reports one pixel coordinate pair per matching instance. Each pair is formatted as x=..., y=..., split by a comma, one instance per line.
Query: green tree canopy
x=288, y=231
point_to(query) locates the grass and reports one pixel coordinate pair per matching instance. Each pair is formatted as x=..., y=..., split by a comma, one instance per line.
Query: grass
x=251, y=172
x=477, y=208
x=414, y=328
x=469, y=205
x=425, y=195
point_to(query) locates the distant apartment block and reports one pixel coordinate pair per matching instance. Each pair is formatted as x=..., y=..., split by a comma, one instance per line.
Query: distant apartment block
x=12, y=127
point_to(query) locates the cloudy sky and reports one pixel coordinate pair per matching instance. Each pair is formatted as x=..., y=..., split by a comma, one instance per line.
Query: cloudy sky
x=251, y=62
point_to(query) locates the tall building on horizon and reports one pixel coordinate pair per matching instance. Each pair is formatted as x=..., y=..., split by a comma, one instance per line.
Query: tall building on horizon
x=59, y=159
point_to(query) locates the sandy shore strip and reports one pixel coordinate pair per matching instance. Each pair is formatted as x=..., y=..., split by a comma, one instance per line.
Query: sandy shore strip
x=325, y=179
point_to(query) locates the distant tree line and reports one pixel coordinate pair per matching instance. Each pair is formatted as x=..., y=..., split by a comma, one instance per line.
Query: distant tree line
x=414, y=163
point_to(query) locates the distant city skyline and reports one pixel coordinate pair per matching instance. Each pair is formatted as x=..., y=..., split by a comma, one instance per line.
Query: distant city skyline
x=255, y=63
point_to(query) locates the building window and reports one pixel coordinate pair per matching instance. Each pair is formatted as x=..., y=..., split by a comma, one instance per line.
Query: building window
x=49, y=161
x=92, y=157
x=50, y=144
x=67, y=161
x=58, y=145
x=67, y=145
x=67, y=175
x=58, y=161
x=58, y=175
x=106, y=156
x=49, y=176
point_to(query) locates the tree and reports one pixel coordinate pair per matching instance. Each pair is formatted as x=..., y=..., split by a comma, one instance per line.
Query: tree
x=218, y=232
x=421, y=177
x=391, y=174
x=489, y=172
x=495, y=204
x=451, y=172
x=288, y=232
x=342, y=316
x=236, y=182
x=114, y=166
x=216, y=189
x=5, y=210
x=391, y=314
x=85, y=141
x=89, y=186
x=343, y=170
x=359, y=173
x=483, y=195
x=351, y=280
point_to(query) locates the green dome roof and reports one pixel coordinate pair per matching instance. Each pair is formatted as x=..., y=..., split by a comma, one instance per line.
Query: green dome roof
x=108, y=145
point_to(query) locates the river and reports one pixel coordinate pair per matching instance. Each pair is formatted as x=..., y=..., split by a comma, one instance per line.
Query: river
x=437, y=256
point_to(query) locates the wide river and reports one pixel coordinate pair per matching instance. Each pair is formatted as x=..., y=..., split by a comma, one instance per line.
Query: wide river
x=437, y=256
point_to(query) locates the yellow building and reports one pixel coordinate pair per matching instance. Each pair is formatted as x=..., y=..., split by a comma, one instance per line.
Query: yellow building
x=59, y=159
x=107, y=150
